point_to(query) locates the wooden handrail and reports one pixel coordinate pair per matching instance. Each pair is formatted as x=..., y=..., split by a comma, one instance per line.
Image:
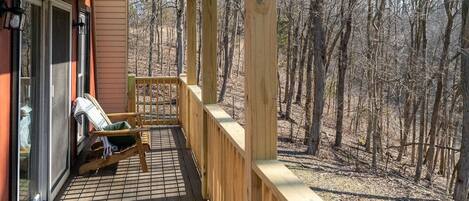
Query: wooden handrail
x=284, y=184
x=159, y=79
x=233, y=130
x=196, y=91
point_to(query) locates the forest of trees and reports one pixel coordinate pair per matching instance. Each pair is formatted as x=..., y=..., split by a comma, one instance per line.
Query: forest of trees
x=387, y=74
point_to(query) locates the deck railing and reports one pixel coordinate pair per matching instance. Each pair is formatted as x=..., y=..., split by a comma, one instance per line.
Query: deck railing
x=225, y=149
x=226, y=164
x=227, y=156
x=156, y=97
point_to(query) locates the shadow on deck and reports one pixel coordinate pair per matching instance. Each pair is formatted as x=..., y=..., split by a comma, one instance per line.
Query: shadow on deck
x=172, y=175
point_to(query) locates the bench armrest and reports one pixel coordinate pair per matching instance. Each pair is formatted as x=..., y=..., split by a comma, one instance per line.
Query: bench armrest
x=123, y=116
x=124, y=132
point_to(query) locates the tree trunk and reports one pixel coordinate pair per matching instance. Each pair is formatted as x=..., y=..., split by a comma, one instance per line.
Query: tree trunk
x=408, y=122
x=358, y=110
x=342, y=68
x=304, y=53
x=461, y=190
x=136, y=46
x=439, y=90
x=199, y=48
x=289, y=15
x=226, y=49
x=234, y=34
x=369, y=52
x=420, y=149
x=151, y=37
x=309, y=96
x=375, y=88
x=319, y=76
x=414, y=136
x=161, y=35
x=294, y=66
x=420, y=46
x=309, y=78
x=180, y=39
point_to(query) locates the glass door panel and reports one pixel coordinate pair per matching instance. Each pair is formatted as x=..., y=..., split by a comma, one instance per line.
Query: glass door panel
x=60, y=95
x=29, y=102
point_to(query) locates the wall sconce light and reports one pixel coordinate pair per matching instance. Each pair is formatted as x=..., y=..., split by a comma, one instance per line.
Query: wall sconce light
x=80, y=25
x=11, y=17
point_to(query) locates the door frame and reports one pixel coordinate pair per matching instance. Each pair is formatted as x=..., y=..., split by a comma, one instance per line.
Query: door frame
x=85, y=72
x=55, y=186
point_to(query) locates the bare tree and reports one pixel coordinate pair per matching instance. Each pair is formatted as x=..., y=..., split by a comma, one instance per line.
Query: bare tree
x=343, y=64
x=151, y=37
x=319, y=39
x=180, y=36
x=439, y=90
x=294, y=65
x=461, y=191
x=226, y=50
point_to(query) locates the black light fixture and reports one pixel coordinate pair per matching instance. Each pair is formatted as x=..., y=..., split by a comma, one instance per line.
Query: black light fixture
x=80, y=25
x=11, y=17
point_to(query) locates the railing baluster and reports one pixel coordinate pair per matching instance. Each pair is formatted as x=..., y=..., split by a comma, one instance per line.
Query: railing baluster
x=148, y=101
x=168, y=106
x=145, y=92
x=178, y=97
x=139, y=96
x=151, y=102
x=165, y=102
x=171, y=96
x=157, y=101
x=157, y=84
x=142, y=98
x=170, y=103
x=157, y=95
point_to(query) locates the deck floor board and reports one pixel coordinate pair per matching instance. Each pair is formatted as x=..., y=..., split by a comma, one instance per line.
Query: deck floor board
x=172, y=175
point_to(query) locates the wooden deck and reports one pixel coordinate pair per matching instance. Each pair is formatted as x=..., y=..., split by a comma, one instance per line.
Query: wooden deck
x=172, y=175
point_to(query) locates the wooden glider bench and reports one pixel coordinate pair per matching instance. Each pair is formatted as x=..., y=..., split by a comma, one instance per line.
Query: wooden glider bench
x=142, y=137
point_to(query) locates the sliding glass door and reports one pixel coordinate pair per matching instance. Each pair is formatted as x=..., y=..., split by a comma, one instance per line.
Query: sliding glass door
x=29, y=104
x=44, y=100
x=60, y=103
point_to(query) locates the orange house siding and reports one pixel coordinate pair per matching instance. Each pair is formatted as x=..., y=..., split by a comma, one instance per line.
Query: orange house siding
x=73, y=81
x=111, y=53
x=89, y=3
x=74, y=52
x=5, y=80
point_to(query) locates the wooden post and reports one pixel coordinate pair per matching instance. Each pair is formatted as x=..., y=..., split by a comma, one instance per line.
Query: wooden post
x=191, y=22
x=131, y=93
x=131, y=96
x=209, y=51
x=209, y=75
x=260, y=88
x=184, y=107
